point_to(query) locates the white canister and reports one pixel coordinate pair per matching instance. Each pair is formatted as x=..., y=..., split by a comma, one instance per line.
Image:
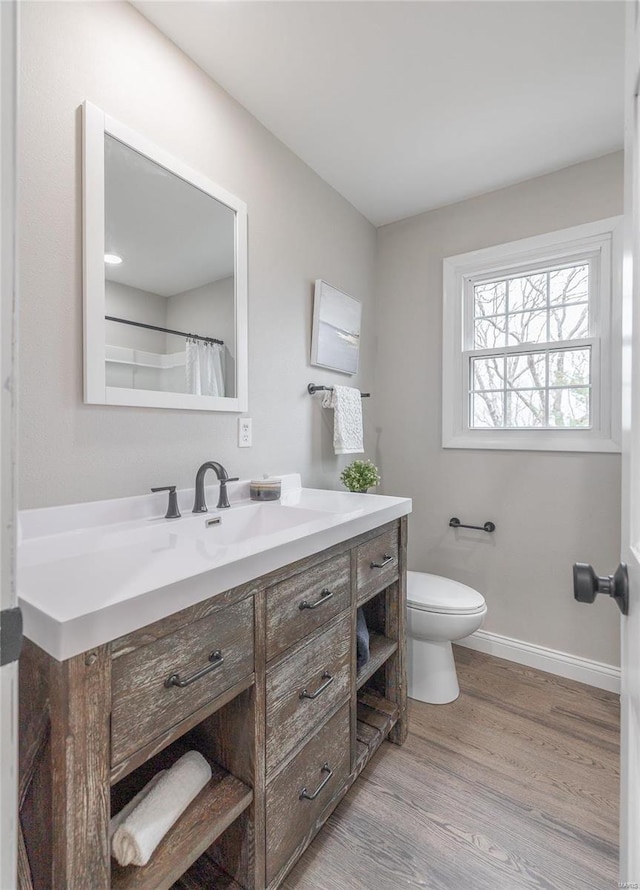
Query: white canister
x=269, y=488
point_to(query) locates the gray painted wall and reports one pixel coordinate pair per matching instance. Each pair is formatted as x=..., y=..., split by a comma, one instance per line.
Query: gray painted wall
x=299, y=230
x=544, y=504
x=123, y=301
x=206, y=310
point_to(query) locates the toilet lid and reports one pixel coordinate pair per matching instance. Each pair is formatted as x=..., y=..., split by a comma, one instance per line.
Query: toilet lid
x=433, y=593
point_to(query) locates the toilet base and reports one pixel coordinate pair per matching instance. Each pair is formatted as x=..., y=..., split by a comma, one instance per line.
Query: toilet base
x=431, y=671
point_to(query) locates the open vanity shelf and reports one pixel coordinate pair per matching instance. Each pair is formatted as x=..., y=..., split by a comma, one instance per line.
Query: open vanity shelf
x=380, y=614
x=205, y=873
x=380, y=649
x=205, y=819
x=375, y=718
x=286, y=722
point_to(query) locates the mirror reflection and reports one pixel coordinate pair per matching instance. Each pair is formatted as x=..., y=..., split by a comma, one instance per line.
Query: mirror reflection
x=169, y=280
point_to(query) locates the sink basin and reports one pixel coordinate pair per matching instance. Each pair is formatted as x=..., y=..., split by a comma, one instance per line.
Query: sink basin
x=245, y=522
x=89, y=573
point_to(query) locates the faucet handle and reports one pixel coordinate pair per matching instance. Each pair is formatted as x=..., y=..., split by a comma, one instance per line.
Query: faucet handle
x=172, y=509
x=223, y=498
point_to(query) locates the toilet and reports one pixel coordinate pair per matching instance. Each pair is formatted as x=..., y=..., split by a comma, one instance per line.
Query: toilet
x=439, y=610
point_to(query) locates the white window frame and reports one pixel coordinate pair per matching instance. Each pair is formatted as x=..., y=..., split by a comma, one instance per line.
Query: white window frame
x=599, y=244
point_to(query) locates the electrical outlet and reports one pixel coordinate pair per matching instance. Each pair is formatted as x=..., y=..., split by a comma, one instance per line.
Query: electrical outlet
x=244, y=432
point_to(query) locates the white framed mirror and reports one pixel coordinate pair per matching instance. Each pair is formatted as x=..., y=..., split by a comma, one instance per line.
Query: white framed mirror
x=165, y=277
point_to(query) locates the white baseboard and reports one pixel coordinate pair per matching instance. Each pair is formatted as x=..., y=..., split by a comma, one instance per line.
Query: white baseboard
x=593, y=673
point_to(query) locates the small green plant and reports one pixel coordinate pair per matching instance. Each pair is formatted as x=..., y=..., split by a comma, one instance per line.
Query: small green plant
x=360, y=475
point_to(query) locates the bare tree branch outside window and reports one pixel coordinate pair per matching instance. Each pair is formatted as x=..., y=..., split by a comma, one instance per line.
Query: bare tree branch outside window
x=549, y=385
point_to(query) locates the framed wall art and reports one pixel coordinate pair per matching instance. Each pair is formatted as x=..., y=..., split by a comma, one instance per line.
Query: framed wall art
x=335, y=339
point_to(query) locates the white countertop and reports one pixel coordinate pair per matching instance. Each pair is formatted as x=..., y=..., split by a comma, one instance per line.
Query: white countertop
x=89, y=573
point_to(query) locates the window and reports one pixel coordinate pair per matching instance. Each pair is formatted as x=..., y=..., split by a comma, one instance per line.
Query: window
x=528, y=346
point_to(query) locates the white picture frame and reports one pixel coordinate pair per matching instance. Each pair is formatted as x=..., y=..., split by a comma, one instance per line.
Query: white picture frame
x=335, y=337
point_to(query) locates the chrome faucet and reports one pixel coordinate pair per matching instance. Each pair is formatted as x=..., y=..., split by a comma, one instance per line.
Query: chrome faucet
x=199, y=504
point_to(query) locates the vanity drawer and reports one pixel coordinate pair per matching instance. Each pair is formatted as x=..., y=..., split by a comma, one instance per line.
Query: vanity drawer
x=377, y=563
x=299, y=605
x=290, y=816
x=207, y=656
x=305, y=687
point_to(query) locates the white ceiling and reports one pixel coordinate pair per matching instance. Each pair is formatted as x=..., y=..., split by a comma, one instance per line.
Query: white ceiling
x=171, y=236
x=407, y=106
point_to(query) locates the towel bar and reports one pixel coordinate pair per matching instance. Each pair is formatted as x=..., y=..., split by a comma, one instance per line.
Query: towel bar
x=312, y=388
x=487, y=527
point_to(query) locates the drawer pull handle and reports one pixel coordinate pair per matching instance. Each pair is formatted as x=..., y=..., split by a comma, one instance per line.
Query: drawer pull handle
x=385, y=562
x=216, y=658
x=328, y=681
x=325, y=595
x=304, y=794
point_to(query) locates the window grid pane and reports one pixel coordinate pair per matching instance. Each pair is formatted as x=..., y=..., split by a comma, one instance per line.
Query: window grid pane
x=544, y=389
x=526, y=409
x=539, y=307
x=569, y=284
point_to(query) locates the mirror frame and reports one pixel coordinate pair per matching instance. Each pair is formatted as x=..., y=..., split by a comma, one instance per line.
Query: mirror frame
x=97, y=124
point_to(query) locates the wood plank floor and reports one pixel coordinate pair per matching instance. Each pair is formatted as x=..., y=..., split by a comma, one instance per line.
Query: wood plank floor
x=515, y=785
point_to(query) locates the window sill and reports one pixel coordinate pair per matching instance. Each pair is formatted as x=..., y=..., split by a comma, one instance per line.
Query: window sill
x=514, y=440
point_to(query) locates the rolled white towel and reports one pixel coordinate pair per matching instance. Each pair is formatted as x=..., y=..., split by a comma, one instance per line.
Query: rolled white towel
x=118, y=819
x=142, y=830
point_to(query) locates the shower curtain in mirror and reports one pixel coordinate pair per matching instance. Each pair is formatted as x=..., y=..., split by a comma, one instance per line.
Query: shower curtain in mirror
x=205, y=368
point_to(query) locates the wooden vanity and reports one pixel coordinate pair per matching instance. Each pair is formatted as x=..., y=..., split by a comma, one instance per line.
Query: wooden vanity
x=261, y=679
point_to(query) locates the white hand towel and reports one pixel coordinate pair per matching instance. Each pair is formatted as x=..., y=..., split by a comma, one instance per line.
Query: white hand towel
x=140, y=833
x=118, y=819
x=348, y=436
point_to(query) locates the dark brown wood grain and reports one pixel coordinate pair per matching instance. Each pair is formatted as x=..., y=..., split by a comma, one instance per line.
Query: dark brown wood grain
x=143, y=707
x=373, y=553
x=258, y=814
x=204, y=873
x=308, y=562
x=150, y=633
x=247, y=718
x=353, y=681
x=33, y=709
x=235, y=737
x=291, y=718
x=25, y=881
x=34, y=745
x=290, y=818
x=396, y=629
x=80, y=695
x=234, y=851
x=228, y=736
x=170, y=735
x=376, y=717
x=512, y=787
x=216, y=807
x=380, y=650
x=286, y=622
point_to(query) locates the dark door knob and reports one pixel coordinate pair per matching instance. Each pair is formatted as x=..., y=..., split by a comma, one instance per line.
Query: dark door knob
x=586, y=585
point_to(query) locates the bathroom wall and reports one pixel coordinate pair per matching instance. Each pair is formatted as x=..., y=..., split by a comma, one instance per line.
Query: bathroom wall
x=550, y=509
x=123, y=301
x=299, y=230
x=204, y=310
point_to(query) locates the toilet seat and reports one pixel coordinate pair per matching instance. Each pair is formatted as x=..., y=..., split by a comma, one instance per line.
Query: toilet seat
x=433, y=593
